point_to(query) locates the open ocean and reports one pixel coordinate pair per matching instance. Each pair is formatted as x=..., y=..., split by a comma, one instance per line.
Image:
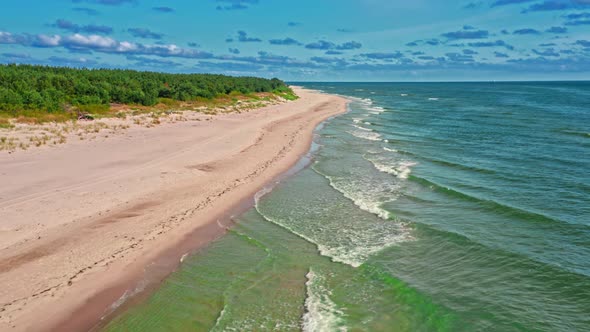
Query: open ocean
x=427, y=207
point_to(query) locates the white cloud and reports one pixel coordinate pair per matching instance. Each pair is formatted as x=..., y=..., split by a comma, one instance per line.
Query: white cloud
x=92, y=41
x=48, y=41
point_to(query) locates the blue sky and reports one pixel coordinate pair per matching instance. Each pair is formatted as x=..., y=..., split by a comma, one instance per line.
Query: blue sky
x=310, y=40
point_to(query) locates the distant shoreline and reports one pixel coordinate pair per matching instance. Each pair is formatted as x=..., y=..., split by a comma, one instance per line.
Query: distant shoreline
x=102, y=215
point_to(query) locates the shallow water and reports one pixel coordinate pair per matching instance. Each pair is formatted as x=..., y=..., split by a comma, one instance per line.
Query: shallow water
x=428, y=207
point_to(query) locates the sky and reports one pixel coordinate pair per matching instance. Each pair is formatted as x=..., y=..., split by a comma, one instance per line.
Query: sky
x=307, y=40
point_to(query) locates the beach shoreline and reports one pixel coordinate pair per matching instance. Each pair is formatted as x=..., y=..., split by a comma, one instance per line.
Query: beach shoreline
x=185, y=197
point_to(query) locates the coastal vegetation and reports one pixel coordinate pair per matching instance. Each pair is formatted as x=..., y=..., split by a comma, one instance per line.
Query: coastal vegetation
x=41, y=105
x=39, y=94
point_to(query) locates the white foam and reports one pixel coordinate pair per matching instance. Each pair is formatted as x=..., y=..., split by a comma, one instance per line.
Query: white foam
x=364, y=247
x=388, y=149
x=183, y=257
x=377, y=109
x=120, y=300
x=261, y=193
x=351, y=245
x=405, y=169
x=362, y=101
x=358, y=198
x=128, y=294
x=386, y=168
x=404, y=94
x=362, y=128
x=322, y=249
x=371, y=136
x=220, y=317
x=321, y=313
x=432, y=98
x=400, y=169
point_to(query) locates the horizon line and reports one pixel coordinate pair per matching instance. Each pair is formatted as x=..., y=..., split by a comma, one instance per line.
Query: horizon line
x=450, y=81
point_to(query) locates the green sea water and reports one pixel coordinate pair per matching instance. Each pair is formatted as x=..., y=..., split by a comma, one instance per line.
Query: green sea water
x=427, y=207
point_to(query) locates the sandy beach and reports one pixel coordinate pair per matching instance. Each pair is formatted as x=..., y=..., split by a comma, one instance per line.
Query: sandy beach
x=82, y=223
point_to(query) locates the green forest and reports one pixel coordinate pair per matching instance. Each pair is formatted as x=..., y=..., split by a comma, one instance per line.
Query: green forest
x=25, y=88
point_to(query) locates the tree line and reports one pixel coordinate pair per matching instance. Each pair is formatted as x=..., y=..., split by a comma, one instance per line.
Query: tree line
x=52, y=89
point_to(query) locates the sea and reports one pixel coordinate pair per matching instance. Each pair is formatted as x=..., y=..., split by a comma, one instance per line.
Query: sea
x=426, y=207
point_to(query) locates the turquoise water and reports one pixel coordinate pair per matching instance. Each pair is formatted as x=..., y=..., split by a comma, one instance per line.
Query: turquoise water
x=428, y=207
